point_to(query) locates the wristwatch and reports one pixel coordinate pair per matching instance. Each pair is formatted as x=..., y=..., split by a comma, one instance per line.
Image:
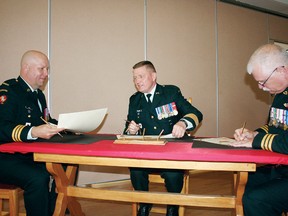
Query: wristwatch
x=183, y=120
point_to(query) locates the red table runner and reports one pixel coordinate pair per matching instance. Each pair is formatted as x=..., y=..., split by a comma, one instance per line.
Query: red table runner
x=171, y=151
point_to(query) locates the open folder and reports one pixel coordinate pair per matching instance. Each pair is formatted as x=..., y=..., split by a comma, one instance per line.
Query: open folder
x=82, y=122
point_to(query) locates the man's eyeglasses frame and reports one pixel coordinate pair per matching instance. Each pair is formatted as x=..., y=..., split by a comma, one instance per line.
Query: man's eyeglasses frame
x=265, y=81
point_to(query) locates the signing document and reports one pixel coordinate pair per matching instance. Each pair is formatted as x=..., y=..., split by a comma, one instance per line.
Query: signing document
x=82, y=122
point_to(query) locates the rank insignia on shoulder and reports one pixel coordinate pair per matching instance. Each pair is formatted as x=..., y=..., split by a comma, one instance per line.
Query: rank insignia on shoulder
x=3, y=98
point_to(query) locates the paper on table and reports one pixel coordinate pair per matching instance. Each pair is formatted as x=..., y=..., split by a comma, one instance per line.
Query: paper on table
x=218, y=140
x=146, y=136
x=82, y=122
x=168, y=136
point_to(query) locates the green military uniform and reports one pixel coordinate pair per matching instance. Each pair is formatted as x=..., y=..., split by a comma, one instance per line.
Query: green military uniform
x=167, y=108
x=19, y=111
x=267, y=188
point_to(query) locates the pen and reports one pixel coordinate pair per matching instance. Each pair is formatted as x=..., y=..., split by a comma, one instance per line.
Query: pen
x=49, y=124
x=160, y=134
x=143, y=135
x=127, y=127
x=243, y=127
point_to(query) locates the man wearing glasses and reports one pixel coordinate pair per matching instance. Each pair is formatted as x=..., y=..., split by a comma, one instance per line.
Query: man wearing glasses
x=266, y=192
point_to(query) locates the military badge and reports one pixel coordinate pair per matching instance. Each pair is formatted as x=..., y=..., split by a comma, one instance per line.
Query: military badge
x=3, y=98
x=278, y=118
x=166, y=110
x=29, y=109
x=46, y=114
x=138, y=112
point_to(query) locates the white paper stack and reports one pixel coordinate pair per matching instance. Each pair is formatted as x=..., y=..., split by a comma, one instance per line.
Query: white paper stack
x=82, y=122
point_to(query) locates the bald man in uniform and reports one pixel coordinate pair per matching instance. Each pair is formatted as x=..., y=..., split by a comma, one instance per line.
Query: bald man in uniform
x=22, y=105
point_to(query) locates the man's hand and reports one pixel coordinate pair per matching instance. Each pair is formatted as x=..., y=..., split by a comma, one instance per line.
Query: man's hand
x=244, y=138
x=45, y=131
x=179, y=129
x=133, y=128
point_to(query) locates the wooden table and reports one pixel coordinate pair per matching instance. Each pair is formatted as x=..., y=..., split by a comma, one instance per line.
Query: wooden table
x=172, y=156
x=67, y=192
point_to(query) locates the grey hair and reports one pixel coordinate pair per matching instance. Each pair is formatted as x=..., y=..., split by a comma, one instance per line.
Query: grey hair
x=267, y=57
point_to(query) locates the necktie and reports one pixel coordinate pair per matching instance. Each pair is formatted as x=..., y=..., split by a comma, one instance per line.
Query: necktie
x=35, y=95
x=149, y=98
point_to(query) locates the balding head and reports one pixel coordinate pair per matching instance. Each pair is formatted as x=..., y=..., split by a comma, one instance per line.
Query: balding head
x=34, y=68
x=31, y=56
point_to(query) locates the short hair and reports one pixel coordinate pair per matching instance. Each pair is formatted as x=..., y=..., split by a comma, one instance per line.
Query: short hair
x=147, y=64
x=268, y=56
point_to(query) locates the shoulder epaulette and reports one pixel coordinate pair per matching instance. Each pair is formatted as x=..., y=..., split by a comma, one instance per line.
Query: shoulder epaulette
x=10, y=82
x=6, y=84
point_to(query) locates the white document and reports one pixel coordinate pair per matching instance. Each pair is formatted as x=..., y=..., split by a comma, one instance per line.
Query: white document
x=218, y=140
x=85, y=121
x=136, y=137
x=168, y=136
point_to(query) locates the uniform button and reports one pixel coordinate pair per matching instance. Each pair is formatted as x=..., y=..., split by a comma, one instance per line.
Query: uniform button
x=155, y=127
x=29, y=116
x=152, y=117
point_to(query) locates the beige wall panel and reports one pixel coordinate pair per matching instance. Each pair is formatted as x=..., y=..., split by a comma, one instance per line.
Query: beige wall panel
x=241, y=31
x=278, y=29
x=94, y=45
x=181, y=44
x=23, y=27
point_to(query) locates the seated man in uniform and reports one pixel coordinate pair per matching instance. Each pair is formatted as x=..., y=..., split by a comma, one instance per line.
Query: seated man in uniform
x=22, y=105
x=266, y=190
x=154, y=108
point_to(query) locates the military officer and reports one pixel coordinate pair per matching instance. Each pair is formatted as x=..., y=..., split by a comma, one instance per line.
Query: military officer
x=266, y=190
x=22, y=108
x=155, y=108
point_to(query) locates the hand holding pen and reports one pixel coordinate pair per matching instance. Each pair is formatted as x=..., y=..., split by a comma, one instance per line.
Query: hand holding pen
x=46, y=131
x=242, y=133
x=244, y=137
x=132, y=128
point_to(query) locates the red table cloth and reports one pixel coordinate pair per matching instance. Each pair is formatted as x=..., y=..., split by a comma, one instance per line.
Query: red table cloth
x=181, y=151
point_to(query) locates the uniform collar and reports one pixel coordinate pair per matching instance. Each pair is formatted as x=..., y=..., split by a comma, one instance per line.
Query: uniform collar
x=29, y=87
x=151, y=92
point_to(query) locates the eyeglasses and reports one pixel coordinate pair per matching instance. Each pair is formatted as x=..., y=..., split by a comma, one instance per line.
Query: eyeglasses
x=264, y=82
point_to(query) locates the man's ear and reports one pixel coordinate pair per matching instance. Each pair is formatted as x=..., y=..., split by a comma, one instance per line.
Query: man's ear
x=154, y=76
x=284, y=70
x=26, y=68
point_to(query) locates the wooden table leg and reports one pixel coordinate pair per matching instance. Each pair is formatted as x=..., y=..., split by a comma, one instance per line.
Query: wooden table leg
x=63, y=180
x=240, y=180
